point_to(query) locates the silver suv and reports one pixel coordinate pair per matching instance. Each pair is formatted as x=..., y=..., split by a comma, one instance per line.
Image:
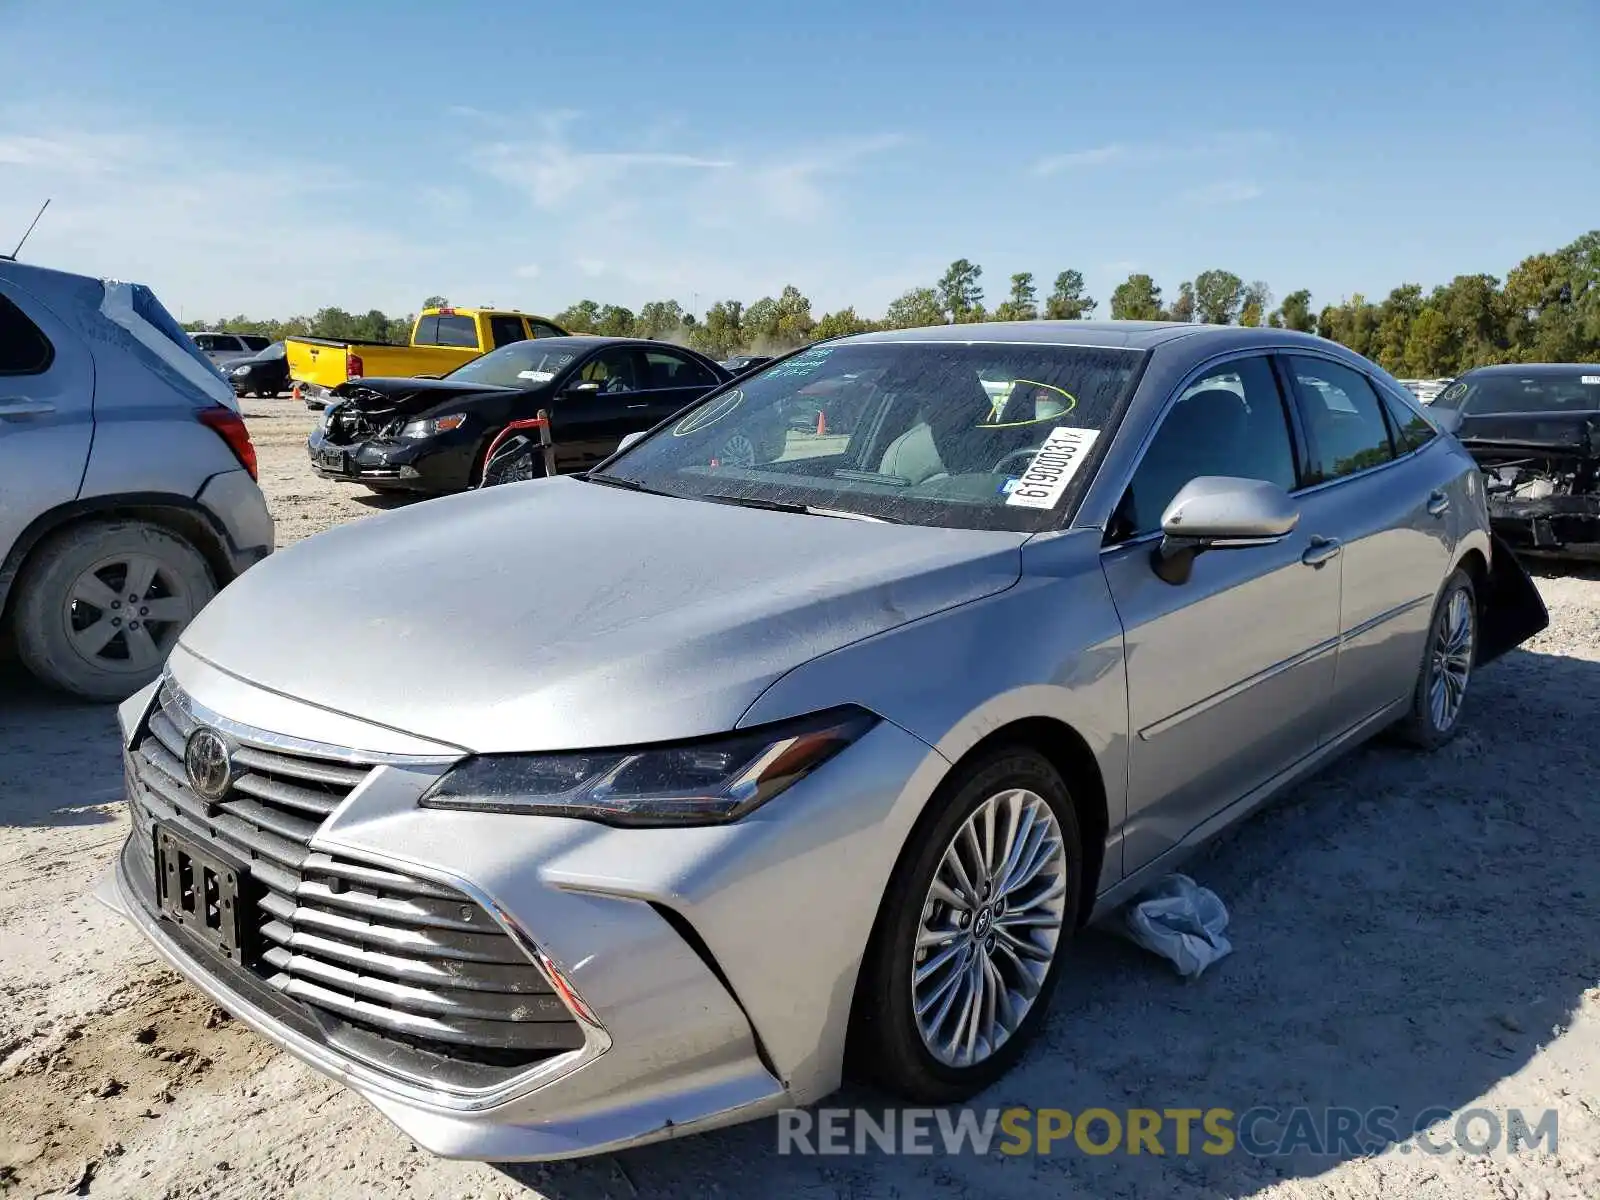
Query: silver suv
x=128, y=491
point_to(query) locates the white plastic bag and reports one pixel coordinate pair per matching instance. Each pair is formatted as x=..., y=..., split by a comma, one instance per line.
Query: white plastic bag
x=1181, y=921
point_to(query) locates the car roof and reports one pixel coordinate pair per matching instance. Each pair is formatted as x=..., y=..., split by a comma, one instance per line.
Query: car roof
x=1530, y=369
x=588, y=341
x=1128, y=335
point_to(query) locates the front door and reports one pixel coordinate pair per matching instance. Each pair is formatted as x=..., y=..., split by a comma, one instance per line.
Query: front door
x=1229, y=673
x=1388, y=504
x=46, y=413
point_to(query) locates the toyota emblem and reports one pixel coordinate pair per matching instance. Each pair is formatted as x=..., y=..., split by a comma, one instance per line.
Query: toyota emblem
x=207, y=764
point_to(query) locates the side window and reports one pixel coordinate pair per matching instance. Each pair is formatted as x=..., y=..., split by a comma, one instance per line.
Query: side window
x=1344, y=419
x=668, y=370
x=1411, y=429
x=506, y=330
x=24, y=349
x=613, y=370
x=543, y=329
x=1230, y=422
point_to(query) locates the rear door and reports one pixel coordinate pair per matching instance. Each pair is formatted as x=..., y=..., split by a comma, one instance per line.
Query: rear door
x=1387, y=502
x=672, y=381
x=46, y=412
x=505, y=329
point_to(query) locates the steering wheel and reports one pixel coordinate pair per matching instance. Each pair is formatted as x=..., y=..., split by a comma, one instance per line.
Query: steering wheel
x=1026, y=453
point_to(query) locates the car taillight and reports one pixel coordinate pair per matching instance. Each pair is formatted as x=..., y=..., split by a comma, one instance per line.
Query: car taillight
x=354, y=368
x=230, y=427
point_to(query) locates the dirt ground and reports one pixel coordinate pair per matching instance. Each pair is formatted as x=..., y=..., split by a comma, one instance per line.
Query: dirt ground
x=1410, y=931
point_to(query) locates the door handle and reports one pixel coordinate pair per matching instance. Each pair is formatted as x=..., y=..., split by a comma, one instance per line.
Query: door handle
x=1438, y=504
x=1321, y=550
x=21, y=406
x=631, y=407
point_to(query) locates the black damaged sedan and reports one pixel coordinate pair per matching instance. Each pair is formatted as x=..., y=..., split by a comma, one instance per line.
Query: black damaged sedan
x=429, y=436
x=1534, y=429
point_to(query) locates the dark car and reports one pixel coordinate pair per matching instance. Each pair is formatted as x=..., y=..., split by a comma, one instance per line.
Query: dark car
x=431, y=435
x=265, y=374
x=743, y=364
x=1535, y=431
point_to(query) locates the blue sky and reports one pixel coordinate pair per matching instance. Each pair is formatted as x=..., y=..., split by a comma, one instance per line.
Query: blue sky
x=367, y=155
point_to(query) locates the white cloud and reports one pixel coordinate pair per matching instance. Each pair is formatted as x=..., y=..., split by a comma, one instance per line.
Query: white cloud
x=1226, y=146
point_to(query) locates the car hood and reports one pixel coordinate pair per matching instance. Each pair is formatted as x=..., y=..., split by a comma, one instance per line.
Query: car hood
x=1557, y=433
x=409, y=397
x=560, y=614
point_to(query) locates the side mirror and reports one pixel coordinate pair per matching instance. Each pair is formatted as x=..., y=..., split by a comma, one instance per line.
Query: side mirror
x=1218, y=512
x=583, y=387
x=629, y=439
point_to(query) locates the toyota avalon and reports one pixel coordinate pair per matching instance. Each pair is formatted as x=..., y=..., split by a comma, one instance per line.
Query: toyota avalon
x=609, y=807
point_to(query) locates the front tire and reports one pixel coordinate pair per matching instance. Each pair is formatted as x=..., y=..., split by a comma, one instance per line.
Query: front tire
x=101, y=606
x=1448, y=659
x=969, y=941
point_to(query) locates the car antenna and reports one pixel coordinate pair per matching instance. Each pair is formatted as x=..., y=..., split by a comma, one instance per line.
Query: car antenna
x=13, y=255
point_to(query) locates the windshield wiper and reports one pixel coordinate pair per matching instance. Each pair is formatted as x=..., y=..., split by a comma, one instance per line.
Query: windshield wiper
x=805, y=510
x=616, y=481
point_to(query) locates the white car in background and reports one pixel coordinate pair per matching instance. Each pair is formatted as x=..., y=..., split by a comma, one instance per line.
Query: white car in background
x=225, y=347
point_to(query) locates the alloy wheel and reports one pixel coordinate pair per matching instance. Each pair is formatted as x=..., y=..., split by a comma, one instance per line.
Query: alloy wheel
x=124, y=613
x=1450, y=660
x=989, y=928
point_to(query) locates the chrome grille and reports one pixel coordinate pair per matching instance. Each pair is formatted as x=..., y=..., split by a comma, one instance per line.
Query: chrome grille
x=413, y=961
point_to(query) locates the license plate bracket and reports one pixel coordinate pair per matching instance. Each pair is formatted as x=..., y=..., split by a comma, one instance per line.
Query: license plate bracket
x=201, y=892
x=333, y=460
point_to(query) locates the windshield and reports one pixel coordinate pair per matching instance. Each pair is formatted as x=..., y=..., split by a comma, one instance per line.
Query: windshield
x=971, y=436
x=1544, y=391
x=519, y=365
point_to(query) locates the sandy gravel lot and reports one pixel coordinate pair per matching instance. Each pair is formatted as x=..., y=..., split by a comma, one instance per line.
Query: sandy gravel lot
x=1408, y=931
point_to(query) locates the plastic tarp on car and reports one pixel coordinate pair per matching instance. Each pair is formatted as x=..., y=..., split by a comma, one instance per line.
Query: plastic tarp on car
x=134, y=307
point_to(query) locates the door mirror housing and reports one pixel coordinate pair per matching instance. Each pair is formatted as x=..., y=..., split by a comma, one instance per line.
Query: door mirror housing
x=583, y=387
x=1219, y=512
x=629, y=439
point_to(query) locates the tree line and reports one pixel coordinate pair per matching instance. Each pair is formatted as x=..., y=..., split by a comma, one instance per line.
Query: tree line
x=1547, y=309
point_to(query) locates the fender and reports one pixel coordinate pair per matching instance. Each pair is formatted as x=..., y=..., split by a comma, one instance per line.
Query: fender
x=184, y=515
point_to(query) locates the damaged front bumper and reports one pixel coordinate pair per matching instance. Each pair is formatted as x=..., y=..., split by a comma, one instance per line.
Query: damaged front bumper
x=378, y=461
x=1568, y=525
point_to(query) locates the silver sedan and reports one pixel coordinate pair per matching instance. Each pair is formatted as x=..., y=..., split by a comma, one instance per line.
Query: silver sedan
x=600, y=809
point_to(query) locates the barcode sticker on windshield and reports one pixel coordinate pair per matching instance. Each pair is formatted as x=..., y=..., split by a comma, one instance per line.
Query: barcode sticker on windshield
x=1058, y=460
x=1594, y=379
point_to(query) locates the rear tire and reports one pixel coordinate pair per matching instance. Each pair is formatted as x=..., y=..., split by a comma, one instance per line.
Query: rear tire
x=911, y=1030
x=1448, y=659
x=101, y=605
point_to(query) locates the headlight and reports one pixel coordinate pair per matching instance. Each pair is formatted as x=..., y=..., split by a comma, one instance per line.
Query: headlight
x=240, y=371
x=705, y=782
x=426, y=427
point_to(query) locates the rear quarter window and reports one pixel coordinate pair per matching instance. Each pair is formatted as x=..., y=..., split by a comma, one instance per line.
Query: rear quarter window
x=24, y=349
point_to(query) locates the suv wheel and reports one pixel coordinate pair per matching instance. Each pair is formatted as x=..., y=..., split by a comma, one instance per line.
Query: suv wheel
x=972, y=932
x=100, y=606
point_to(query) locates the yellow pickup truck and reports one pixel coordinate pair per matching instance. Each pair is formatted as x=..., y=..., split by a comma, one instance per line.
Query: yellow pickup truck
x=442, y=340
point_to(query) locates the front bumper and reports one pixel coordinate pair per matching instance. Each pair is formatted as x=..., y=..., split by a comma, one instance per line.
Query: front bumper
x=716, y=966
x=1552, y=525
x=421, y=466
